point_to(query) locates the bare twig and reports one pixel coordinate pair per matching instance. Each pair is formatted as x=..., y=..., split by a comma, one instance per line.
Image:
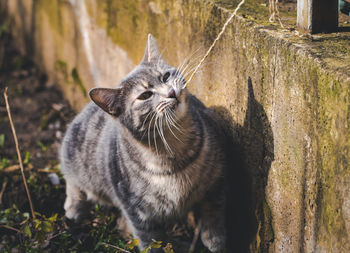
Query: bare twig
x=195, y=237
x=2, y=190
x=214, y=42
x=46, y=171
x=11, y=228
x=54, y=236
x=12, y=168
x=18, y=153
x=120, y=249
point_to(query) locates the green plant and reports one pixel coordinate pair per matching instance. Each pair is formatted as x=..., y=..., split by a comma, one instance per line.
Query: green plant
x=4, y=28
x=27, y=157
x=153, y=245
x=4, y=162
x=2, y=140
x=41, y=145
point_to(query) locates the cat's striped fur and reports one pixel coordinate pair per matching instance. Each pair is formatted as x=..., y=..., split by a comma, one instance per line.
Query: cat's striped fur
x=154, y=155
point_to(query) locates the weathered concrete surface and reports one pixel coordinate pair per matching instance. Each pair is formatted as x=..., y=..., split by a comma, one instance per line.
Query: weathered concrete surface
x=288, y=98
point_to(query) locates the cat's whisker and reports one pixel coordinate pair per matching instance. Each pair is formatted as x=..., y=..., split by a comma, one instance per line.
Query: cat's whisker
x=190, y=66
x=160, y=132
x=179, y=68
x=188, y=58
x=191, y=62
x=190, y=73
x=192, y=69
x=149, y=129
x=144, y=124
x=174, y=122
x=170, y=125
x=185, y=62
x=182, y=64
x=162, y=105
x=166, y=145
x=179, y=83
x=154, y=134
x=161, y=111
x=174, y=117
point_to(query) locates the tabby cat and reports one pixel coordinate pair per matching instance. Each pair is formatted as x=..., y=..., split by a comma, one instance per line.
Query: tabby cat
x=150, y=148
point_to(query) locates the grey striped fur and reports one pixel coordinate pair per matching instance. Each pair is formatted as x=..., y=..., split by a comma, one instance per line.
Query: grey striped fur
x=155, y=158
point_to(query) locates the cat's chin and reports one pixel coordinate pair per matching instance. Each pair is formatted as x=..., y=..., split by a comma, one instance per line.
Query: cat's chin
x=181, y=106
x=180, y=110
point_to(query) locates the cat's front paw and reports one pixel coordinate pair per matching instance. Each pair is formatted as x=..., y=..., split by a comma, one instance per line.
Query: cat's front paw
x=73, y=214
x=213, y=241
x=75, y=209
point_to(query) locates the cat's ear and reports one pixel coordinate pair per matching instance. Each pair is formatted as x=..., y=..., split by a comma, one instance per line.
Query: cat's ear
x=152, y=54
x=110, y=100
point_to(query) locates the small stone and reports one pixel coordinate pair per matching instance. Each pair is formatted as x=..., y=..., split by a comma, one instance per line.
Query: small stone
x=58, y=134
x=54, y=179
x=57, y=107
x=57, y=124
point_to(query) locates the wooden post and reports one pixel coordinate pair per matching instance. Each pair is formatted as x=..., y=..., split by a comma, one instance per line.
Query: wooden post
x=316, y=16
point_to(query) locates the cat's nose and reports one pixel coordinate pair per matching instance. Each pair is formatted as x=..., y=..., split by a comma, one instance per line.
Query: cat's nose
x=172, y=94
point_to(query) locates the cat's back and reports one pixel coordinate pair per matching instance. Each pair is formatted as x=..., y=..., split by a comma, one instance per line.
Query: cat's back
x=80, y=142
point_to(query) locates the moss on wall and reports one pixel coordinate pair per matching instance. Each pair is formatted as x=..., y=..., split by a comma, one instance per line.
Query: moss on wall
x=77, y=81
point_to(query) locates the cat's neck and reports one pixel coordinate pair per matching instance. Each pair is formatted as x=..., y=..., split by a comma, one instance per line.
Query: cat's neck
x=174, y=139
x=178, y=138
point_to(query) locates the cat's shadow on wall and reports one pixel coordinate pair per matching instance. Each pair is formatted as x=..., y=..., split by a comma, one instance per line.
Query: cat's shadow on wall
x=251, y=152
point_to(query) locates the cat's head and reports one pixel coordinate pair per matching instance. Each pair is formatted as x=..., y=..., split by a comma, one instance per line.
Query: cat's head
x=151, y=93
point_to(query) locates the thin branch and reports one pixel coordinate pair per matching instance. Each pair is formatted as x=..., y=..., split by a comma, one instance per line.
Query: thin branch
x=274, y=12
x=11, y=228
x=12, y=168
x=2, y=190
x=18, y=153
x=195, y=237
x=54, y=236
x=120, y=249
x=217, y=38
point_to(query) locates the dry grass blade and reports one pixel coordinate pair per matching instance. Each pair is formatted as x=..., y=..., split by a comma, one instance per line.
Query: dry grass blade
x=11, y=228
x=214, y=42
x=12, y=168
x=274, y=12
x=117, y=248
x=195, y=237
x=18, y=153
x=2, y=190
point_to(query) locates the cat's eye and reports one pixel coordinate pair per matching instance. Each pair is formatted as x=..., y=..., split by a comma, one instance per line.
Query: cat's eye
x=166, y=77
x=145, y=95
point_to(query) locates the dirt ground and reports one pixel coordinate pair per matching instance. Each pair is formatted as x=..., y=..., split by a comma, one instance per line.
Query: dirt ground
x=40, y=115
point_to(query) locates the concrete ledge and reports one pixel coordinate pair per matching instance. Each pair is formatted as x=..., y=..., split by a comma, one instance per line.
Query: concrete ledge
x=288, y=97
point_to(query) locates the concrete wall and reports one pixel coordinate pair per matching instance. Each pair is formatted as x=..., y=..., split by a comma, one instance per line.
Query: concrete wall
x=287, y=98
